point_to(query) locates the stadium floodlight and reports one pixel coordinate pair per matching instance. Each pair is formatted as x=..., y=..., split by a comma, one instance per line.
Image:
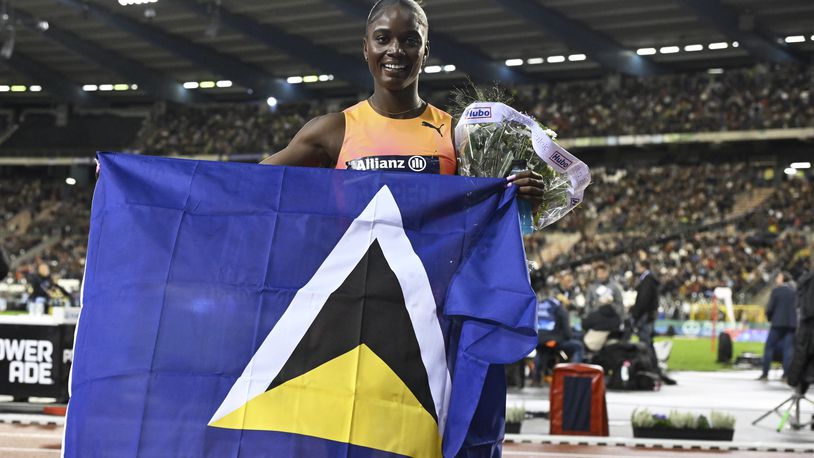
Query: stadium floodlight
x=646, y=51
x=105, y=87
x=90, y=87
x=693, y=48
x=795, y=39
x=272, y=102
x=206, y=84
x=556, y=59
x=4, y=88
x=669, y=49
x=18, y=88
x=801, y=165
x=535, y=61
x=70, y=181
x=134, y=87
x=191, y=85
x=449, y=68
x=735, y=44
x=718, y=45
x=310, y=79
x=577, y=57
x=121, y=87
x=790, y=171
x=35, y=88
x=294, y=79
x=514, y=62
x=136, y=2
x=223, y=83
x=432, y=68
x=715, y=71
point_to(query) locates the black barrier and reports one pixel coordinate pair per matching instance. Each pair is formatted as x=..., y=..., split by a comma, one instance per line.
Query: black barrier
x=35, y=360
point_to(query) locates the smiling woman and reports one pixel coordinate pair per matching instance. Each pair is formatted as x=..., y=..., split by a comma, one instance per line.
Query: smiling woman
x=393, y=129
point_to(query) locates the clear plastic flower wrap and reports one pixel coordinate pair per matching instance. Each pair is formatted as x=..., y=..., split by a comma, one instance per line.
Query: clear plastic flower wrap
x=489, y=136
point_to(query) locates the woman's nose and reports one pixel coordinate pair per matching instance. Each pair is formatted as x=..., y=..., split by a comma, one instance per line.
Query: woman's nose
x=396, y=49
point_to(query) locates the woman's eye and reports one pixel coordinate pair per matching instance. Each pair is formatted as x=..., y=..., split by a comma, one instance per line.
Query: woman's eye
x=381, y=39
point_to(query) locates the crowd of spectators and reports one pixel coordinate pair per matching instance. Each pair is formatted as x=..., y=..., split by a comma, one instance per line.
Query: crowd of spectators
x=660, y=198
x=221, y=129
x=759, y=97
x=692, y=267
x=48, y=216
x=743, y=255
x=625, y=211
x=692, y=262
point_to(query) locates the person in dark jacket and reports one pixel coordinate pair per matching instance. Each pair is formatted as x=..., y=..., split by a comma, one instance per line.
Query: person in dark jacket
x=801, y=369
x=645, y=309
x=42, y=285
x=644, y=312
x=4, y=265
x=781, y=312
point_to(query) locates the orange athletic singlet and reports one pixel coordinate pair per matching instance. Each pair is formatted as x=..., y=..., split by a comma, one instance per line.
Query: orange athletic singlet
x=376, y=142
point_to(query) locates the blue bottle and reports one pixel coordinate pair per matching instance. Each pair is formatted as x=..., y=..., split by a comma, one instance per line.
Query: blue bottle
x=523, y=207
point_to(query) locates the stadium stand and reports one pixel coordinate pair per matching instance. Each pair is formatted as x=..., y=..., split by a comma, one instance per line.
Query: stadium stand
x=760, y=97
x=731, y=223
x=768, y=238
x=44, y=220
x=55, y=132
x=754, y=98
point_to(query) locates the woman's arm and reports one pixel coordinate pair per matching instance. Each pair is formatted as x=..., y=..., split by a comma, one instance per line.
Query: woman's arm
x=317, y=144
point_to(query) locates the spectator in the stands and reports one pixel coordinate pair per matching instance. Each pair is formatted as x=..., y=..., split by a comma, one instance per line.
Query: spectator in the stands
x=604, y=291
x=554, y=334
x=41, y=286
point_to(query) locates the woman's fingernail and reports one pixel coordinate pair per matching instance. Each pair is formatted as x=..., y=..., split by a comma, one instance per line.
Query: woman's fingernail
x=508, y=185
x=511, y=177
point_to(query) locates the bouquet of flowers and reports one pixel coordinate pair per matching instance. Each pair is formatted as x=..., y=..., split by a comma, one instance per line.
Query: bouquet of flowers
x=492, y=136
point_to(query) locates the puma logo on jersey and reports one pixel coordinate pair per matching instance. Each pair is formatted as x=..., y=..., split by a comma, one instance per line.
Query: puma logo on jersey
x=437, y=129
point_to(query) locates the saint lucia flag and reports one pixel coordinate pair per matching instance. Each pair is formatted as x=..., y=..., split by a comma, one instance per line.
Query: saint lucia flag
x=240, y=310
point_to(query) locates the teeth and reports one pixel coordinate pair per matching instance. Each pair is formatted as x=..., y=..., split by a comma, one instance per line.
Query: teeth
x=395, y=67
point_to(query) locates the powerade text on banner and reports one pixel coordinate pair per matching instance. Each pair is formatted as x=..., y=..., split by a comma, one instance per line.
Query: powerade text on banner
x=238, y=310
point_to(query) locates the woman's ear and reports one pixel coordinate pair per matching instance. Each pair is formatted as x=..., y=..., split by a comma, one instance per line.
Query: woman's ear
x=364, y=48
x=426, y=53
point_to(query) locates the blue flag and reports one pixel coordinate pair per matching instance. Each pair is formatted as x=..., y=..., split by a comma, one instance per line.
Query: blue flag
x=240, y=310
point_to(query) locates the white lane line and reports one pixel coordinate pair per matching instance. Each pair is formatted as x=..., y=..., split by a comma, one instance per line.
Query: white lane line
x=31, y=418
x=573, y=455
x=38, y=435
x=666, y=444
x=30, y=450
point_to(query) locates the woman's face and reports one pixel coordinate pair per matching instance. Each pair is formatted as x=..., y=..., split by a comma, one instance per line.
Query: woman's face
x=395, y=48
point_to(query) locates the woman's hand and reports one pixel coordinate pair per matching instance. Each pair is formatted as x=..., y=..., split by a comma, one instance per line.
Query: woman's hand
x=529, y=187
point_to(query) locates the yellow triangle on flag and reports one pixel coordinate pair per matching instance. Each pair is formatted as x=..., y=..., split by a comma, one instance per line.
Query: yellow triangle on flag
x=354, y=398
